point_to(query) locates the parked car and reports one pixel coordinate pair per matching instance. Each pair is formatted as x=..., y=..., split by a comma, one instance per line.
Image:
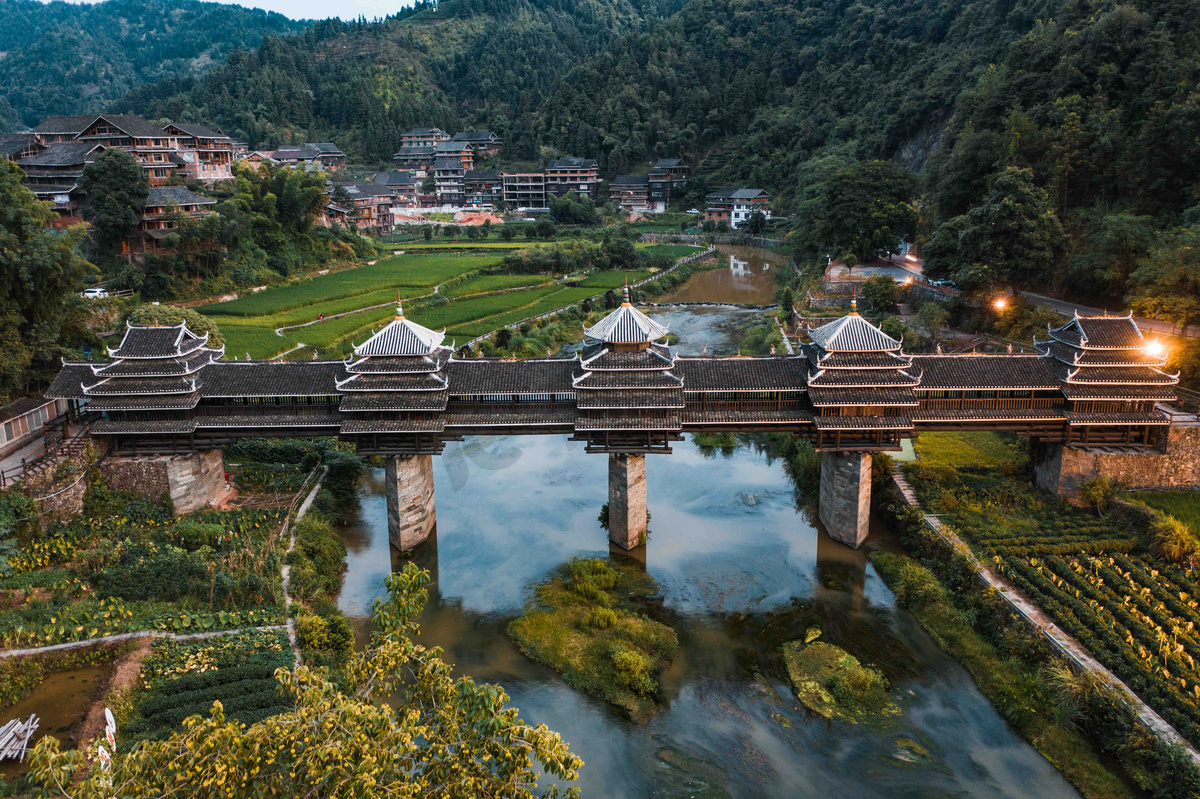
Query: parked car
x=94, y=293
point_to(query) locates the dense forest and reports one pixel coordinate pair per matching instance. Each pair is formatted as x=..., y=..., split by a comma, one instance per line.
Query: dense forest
x=72, y=58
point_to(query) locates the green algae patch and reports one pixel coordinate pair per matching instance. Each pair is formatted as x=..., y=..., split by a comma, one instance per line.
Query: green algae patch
x=832, y=683
x=585, y=625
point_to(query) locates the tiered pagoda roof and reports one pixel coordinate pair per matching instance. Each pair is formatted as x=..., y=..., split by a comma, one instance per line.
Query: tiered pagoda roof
x=396, y=380
x=851, y=362
x=624, y=379
x=1106, y=359
x=154, y=368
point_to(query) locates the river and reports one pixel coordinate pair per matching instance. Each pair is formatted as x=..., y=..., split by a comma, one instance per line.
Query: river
x=742, y=568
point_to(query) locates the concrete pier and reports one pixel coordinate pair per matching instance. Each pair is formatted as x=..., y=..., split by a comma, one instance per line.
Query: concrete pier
x=410, y=502
x=845, y=500
x=627, y=500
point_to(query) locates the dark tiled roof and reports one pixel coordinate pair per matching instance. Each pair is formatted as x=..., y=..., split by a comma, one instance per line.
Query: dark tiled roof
x=598, y=357
x=401, y=336
x=69, y=382
x=423, y=132
x=176, y=195
x=863, y=377
x=68, y=124
x=540, y=416
x=383, y=364
x=200, y=131
x=1120, y=374
x=486, y=376
x=985, y=414
x=268, y=379
x=1075, y=356
x=157, y=366
x=19, y=407
x=1110, y=332
x=668, y=163
x=12, y=143
x=63, y=153
x=630, y=379
x=1116, y=418
x=359, y=426
x=483, y=177
x=269, y=420
x=394, y=401
x=414, y=152
x=1075, y=391
x=157, y=342
x=776, y=373
x=616, y=398
x=160, y=426
x=149, y=402
x=857, y=360
x=983, y=371
x=474, y=136
x=788, y=417
x=447, y=164
x=395, y=178
x=628, y=423
x=413, y=381
x=571, y=163
x=451, y=146
x=119, y=386
x=852, y=333
x=862, y=422
x=630, y=180
x=862, y=396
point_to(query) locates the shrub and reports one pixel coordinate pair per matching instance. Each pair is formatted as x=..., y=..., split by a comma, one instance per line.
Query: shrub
x=632, y=669
x=192, y=535
x=600, y=619
x=317, y=560
x=18, y=678
x=1172, y=540
x=1096, y=492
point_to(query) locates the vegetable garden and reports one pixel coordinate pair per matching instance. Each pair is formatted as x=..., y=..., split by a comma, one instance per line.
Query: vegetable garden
x=1094, y=573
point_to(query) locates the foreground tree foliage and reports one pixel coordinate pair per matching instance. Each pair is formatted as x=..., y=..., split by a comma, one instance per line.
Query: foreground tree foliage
x=445, y=737
x=117, y=187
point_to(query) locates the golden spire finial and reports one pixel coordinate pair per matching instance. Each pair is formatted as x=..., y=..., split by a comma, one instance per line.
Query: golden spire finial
x=399, y=306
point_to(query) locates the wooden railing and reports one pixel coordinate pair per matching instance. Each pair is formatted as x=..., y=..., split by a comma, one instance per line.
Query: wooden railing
x=991, y=404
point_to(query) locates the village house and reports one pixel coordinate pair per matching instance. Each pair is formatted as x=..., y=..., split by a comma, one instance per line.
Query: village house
x=524, y=189
x=483, y=189
x=572, y=174
x=207, y=154
x=165, y=208
x=415, y=159
x=402, y=187
x=632, y=192
x=458, y=150
x=255, y=159
x=22, y=421
x=448, y=175
x=423, y=137
x=483, y=142
x=367, y=207
x=54, y=175
x=62, y=128
x=15, y=146
x=736, y=206
x=318, y=155
x=667, y=177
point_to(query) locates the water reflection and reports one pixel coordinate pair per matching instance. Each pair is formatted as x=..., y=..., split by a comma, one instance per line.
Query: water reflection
x=746, y=275
x=741, y=570
x=60, y=701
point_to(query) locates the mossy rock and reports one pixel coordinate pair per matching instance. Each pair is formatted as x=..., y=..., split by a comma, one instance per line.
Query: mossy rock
x=832, y=683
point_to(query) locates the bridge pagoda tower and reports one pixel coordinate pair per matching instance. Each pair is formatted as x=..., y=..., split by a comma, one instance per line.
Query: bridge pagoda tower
x=629, y=404
x=392, y=404
x=861, y=386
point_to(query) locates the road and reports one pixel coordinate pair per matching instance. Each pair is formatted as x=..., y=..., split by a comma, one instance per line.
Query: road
x=1068, y=309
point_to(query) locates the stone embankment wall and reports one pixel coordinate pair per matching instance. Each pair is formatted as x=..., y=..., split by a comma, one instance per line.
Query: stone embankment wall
x=193, y=481
x=411, y=506
x=1059, y=469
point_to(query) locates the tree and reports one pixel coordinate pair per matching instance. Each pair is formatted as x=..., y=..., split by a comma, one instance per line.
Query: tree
x=171, y=315
x=486, y=230
x=756, y=223
x=864, y=208
x=472, y=232
x=1012, y=237
x=545, y=229
x=932, y=317
x=428, y=232
x=41, y=275
x=445, y=737
x=1115, y=245
x=508, y=232
x=880, y=291
x=117, y=189
x=1167, y=283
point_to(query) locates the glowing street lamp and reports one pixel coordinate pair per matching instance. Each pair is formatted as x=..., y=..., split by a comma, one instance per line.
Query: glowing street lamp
x=1154, y=347
x=1000, y=304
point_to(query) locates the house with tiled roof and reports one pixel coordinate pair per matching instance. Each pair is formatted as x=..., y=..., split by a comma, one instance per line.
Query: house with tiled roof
x=54, y=175
x=320, y=155
x=15, y=146
x=667, y=178
x=735, y=206
x=482, y=142
x=580, y=175
x=423, y=137
x=205, y=154
x=166, y=209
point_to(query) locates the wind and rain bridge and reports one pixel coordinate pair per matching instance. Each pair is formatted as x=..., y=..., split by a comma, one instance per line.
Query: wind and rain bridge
x=164, y=396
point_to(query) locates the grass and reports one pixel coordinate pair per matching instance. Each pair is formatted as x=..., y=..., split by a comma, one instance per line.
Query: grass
x=483, y=283
x=981, y=450
x=613, y=279
x=422, y=271
x=1018, y=692
x=465, y=244
x=674, y=251
x=585, y=625
x=1183, y=505
x=555, y=299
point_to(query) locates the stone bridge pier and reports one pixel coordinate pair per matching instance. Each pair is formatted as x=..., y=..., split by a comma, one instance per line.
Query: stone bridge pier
x=844, y=505
x=627, y=500
x=411, y=512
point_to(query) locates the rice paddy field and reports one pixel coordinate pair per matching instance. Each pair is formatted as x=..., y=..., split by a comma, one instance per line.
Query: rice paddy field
x=357, y=302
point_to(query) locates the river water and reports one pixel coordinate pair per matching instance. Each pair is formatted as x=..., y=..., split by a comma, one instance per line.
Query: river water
x=742, y=568
x=745, y=275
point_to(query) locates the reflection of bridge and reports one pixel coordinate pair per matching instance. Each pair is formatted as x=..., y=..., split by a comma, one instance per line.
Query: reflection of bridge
x=852, y=391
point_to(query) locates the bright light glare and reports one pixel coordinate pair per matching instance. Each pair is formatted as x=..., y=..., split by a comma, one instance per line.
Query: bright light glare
x=1154, y=347
x=1000, y=303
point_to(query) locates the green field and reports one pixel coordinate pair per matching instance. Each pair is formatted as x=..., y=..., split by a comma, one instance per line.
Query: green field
x=1183, y=505
x=675, y=251
x=476, y=305
x=466, y=244
x=417, y=271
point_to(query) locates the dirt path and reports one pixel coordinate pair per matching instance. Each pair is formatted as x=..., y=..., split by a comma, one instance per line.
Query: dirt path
x=123, y=677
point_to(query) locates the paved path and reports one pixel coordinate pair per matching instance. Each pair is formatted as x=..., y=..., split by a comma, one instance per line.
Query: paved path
x=1068, y=308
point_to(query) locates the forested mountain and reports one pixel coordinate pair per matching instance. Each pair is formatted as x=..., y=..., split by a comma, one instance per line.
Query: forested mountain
x=70, y=58
x=489, y=62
